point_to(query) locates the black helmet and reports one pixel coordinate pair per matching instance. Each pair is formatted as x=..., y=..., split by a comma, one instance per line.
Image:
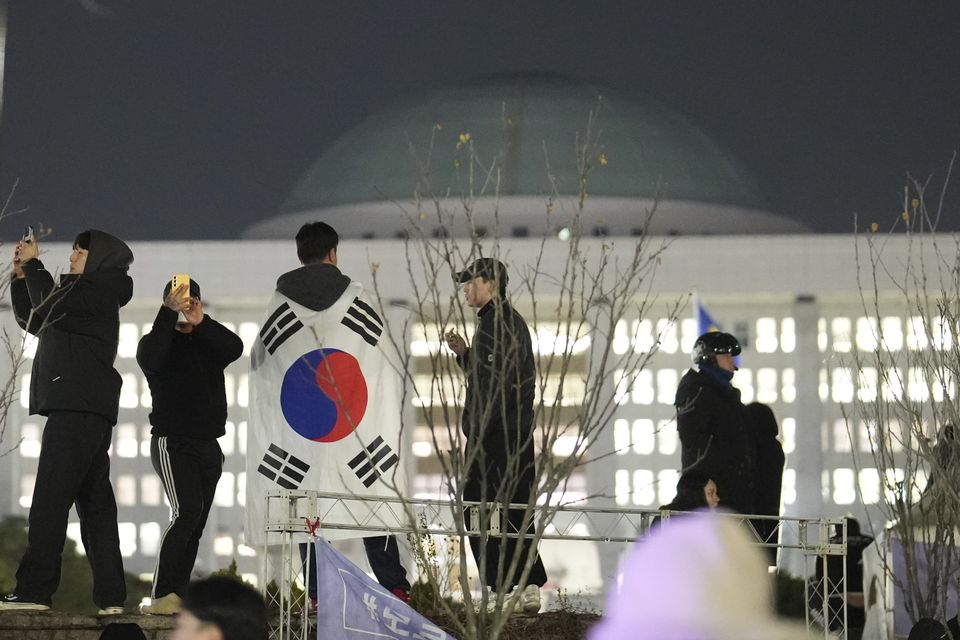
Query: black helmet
x=713, y=343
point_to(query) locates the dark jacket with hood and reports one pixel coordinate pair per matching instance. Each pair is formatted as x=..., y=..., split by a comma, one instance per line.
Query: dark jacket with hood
x=714, y=436
x=314, y=286
x=77, y=322
x=185, y=373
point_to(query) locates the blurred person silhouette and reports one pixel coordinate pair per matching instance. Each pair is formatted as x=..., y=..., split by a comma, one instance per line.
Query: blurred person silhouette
x=122, y=631
x=221, y=608
x=768, y=460
x=701, y=578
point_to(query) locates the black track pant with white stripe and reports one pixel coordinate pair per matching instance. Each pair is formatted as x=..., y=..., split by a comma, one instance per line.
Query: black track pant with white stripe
x=189, y=469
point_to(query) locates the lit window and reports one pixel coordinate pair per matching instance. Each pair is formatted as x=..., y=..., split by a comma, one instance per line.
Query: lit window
x=145, y=440
x=689, y=332
x=643, y=436
x=643, y=488
x=561, y=338
x=892, y=389
x=30, y=343
x=425, y=339
x=642, y=392
x=621, y=436
x=229, y=387
x=129, y=336
x=824, y=386
x=789, y=426
x=126, y=490
x=30, y=440
x=622, y=490
x=898, y=436
x=942, y=335
x=25, y=391
x=822, y=334
x=228, y=438
x=620, y=344
x=73, y=532
x=867, y=334
x=223, y=497
x=789, y=489
x=867, y=384
x=146, y=400
x=422, y=449
x=766, y=385
x=919, y=484
x=246, y=551
x=127, y=444
x=667, y=332
x=567, y=445
x=943, y=386
x=667, y=438
x=128, y=538
x=844, y=490
x=621, y=382
x=666, y=386
x=892, y=332
x=743, y=380
x=242, y=438
x=788, y=382
x=643, y=341
x=842, y=388
x=243, y=390
x=223, y=545
x=150, y=538
x=667, y=485
x=571, y=393
x=27, y=481
x=917, y=389
x=916, y=334
x=788, y=335
x=250, y=578
x=893, y=485
x=248, y=334
x=129, y=395
x=242, y=488
x=150, y=490
x=869, y=485
x=766, y=341
x=840, y=328
x=841, y=438
x=866, y=435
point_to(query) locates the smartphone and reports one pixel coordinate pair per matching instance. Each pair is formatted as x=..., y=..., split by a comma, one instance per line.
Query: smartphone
x=181, y=279
x=28, y=234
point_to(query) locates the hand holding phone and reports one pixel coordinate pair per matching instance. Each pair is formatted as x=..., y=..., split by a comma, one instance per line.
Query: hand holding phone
x=181, y=280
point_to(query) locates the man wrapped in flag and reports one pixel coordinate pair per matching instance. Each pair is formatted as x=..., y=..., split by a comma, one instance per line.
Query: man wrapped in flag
x=325, y=399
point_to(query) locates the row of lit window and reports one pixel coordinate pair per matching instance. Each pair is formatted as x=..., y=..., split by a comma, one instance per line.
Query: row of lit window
x=869, y=485
x=437, y=390
x=647, y=386
x=548, y=338
x=645, y=335
x=231, y=490
x=644, y=436
x=889, y=334
x=898, y=437
x=127, y=444
x=841, y=385
x=648, y=488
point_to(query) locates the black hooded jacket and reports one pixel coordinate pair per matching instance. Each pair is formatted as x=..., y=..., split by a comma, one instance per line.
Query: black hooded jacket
x=77, y=322
x=714, y=437
x=315, y=286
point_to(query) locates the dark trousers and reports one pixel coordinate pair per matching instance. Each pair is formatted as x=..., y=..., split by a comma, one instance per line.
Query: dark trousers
x=73, y=469
x=483, y=487
x=189, y=469
x=383, y=554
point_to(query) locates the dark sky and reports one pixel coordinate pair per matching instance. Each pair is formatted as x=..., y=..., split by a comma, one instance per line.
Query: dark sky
x=176, y=119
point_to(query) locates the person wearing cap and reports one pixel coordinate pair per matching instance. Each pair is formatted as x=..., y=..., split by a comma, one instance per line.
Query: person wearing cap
x=712, y=421
x=498, y=421
x=183, y=361
x=73, y=384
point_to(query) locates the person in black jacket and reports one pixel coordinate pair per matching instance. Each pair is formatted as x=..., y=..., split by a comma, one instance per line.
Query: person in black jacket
x=184, y=363
x=768, y=467
x=498, y=421
x=712, y=424
x=74, y=384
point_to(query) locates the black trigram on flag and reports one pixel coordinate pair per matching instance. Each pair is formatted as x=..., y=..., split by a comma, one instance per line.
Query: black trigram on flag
x=281, y=324
x=287, y=470
x=370, y=463
x=363, y=320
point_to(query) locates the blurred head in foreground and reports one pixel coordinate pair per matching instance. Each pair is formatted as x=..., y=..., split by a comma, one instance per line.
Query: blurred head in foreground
x=699, y=578
x=221, y=608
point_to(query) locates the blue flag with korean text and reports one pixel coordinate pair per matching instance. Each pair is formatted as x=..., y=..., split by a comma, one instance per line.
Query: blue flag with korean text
x=350, y=605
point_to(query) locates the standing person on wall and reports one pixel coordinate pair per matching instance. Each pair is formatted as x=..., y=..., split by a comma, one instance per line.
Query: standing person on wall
x=74, y=384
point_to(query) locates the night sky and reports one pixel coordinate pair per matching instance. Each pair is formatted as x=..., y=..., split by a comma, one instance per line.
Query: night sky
x=171, y=119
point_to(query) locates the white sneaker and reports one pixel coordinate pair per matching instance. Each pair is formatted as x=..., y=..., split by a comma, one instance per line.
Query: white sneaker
x=168, y=605
x=530, y=599
x=16, y=603
x=110, y=611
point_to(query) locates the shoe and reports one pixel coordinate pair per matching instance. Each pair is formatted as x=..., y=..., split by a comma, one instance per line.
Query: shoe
x=168, y=605
x=110, y=611
x=530, y=599
x=401, y=594
x=13, y=602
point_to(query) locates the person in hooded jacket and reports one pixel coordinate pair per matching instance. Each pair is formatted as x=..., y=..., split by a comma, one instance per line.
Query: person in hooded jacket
x=184, y=363
x=768, y=460
x=317, y=285
x=74, y=384
x=712, y=424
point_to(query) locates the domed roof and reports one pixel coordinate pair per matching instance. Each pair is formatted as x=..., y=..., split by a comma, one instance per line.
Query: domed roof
x=529, y=125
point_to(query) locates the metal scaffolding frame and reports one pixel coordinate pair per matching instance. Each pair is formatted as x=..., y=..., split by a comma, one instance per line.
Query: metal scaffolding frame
x=293, y=517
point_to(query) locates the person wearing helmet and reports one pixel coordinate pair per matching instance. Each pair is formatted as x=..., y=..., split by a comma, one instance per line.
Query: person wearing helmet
x=712, y=421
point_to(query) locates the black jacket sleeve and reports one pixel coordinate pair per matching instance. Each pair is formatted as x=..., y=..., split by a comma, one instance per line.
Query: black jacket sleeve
x=225, y=345
x=154, y=348
x=22, y=308
x=694, y=426
x=76, y=306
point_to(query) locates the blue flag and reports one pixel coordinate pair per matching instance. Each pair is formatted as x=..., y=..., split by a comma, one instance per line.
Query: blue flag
x=352, y=606
x=705, y=322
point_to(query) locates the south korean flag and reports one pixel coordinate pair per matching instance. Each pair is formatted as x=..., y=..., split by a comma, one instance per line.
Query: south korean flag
x=325, y=408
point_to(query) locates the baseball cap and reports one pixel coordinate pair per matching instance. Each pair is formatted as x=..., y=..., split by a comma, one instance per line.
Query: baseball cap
x=487, y=268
